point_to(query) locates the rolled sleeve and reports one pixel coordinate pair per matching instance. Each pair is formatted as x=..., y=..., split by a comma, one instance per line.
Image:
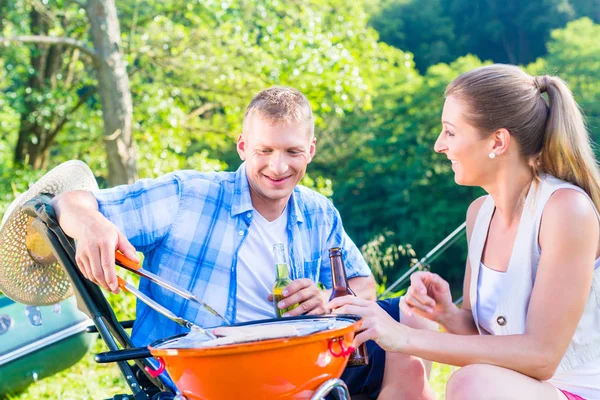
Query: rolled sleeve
x=354, y=263
x=144, y=211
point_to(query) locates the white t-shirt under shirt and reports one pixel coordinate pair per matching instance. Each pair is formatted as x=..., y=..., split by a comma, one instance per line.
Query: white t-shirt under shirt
x=256, y=267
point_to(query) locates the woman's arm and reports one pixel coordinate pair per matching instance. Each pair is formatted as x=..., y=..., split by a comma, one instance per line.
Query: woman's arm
x=569, y=237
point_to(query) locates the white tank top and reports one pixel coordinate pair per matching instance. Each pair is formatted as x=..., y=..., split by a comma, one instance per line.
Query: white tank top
x=497, y=313
x=489, y=289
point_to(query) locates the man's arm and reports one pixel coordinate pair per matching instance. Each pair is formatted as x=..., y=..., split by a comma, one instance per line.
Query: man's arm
x=73, y=208
x=97, y=238
x=364, y=286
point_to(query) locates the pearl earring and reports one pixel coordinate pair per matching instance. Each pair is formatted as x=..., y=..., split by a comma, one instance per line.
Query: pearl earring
x=492, y=155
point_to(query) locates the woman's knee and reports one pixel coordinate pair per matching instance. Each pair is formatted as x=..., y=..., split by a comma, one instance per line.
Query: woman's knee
x=409, y=368
x=470, y=382
x=405, y=378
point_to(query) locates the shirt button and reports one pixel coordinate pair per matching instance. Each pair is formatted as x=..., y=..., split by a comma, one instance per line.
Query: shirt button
x=249, y=215
x=501, y=320
x=241, y=233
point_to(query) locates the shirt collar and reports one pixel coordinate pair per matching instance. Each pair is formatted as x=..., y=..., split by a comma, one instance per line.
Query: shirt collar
x=242, y=202
x=295, y=213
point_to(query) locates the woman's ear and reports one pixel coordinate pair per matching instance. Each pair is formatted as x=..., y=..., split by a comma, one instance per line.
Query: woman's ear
x=500, y=141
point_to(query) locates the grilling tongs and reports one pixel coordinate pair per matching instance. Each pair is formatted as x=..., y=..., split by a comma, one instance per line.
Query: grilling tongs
x=158, y=308
x=136, y=268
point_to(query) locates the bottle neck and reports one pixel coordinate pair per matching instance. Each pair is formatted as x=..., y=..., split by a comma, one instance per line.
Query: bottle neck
x=281, y=262
x=283, y=271
x=338, y=273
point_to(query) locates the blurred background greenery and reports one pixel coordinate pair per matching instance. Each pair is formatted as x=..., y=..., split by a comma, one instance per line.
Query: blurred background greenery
x=162, y=85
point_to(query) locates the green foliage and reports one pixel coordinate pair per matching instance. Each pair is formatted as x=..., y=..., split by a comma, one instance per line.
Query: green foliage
x=195, y=65
x=383, y=256
x=319, y=184
x=393, y=180
x=504, y=31
x=574, y=55
x=46, y=86
x=421, y=27
x=209, y=58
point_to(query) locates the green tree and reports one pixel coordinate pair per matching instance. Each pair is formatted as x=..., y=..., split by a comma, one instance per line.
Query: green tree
x=421, y=27
x=574, y=55
x=195, y=68
x=587, y=8
x=394, y=181
x=512, y=31
x=43, y=79
x=46, y=76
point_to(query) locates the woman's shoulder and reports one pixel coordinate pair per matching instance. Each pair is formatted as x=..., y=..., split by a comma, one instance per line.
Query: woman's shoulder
x=569, y=216
x=475, y=206
x=569, y=204
x=472, y=212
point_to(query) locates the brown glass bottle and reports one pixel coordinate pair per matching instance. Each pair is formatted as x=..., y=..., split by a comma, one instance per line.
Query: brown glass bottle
x=341, y=288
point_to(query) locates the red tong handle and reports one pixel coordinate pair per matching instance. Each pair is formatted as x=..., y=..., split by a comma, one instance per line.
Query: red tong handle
x=344, y=352
x=122, y=283
x=156, y=372
x=121, y=260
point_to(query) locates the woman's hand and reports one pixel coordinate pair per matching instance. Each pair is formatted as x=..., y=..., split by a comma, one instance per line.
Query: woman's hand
x=428, y=296
x=377, y=325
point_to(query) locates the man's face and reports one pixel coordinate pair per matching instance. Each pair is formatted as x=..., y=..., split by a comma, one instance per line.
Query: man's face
x=276, y=156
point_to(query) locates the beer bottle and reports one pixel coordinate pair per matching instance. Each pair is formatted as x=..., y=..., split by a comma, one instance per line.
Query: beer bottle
x=341, y=288
x=282, y=279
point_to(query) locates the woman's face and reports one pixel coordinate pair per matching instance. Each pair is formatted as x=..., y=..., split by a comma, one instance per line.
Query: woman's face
x=463, y=145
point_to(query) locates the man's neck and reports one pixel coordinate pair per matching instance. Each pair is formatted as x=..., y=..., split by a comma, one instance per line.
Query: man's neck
x=268, y=208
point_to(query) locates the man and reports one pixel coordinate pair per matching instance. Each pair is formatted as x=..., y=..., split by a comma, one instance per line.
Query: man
x=213, y=233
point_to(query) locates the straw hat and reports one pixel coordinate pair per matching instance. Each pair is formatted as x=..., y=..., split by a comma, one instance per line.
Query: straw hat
x=29, y=272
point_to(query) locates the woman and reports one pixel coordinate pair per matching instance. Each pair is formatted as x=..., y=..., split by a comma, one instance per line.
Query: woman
x=529, y=327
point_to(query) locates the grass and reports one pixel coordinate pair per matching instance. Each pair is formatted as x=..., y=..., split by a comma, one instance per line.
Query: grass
x=84, y=380
x=439, y=376
x=87, y=379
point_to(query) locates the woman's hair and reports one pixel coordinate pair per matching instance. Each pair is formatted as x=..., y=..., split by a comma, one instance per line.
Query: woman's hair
x=551, y=133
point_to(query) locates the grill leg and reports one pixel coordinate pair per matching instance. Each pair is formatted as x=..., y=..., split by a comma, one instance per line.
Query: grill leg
x=336, y=387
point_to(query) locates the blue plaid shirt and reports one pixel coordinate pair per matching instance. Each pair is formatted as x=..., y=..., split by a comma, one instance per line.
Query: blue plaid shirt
x=190, y=226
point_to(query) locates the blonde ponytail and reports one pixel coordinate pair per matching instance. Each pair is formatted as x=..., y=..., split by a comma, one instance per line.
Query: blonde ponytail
x=567, y=153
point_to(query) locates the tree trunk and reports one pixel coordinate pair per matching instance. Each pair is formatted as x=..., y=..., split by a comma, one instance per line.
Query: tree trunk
x=115, y=95
x=31, y=144
x=31, y=133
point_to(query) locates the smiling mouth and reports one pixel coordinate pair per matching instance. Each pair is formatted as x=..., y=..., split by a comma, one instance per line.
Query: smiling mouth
x=276, y=180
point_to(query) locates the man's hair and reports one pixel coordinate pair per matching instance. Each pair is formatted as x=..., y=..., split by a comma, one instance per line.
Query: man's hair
x=281, y=104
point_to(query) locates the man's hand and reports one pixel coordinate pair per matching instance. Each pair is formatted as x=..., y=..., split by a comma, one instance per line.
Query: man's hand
x=306, y=294
x=95, y=254
x=97, y=238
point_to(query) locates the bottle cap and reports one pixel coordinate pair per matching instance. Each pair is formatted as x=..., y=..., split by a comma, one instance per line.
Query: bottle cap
x=335, y=251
